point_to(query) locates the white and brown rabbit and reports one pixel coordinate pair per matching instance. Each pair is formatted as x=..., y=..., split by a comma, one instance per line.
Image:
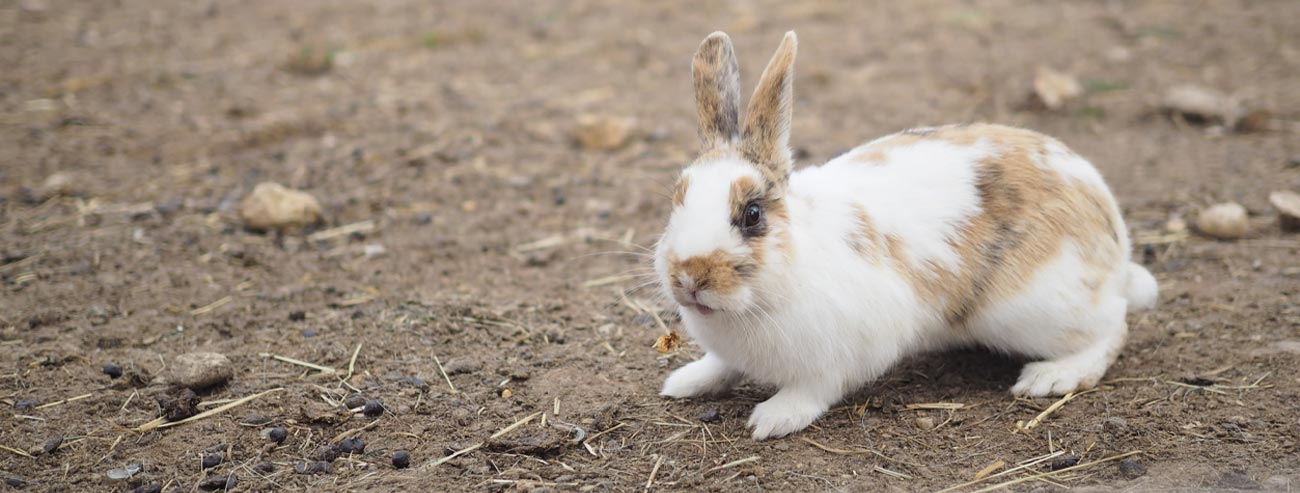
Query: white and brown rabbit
x=818, y=281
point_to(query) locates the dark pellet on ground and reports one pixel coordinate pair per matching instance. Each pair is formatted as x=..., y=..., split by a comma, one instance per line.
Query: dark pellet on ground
x=264, y=467
x=1064, y=461
x=52, y=445
x=112, y=370
x=297, y=315
x=212, y=460
x=401, y=459
x=15, y=482
x=373, y=408
x=308, y=333
x=277, y=434
x=255, y=419
x=148, y=488
x=26, y=404
x=352, y=446
x=1132, y=469
x=219, y=483
x=327, y=453
x=178, y=404
x=710, y=416
x=354, y=401
x=423, y=218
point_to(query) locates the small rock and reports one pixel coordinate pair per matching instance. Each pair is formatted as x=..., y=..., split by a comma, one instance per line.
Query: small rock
x=1175, y=224
x=274, y=207
x=125, y=472
x=1064, y=461
x=602, y=133
x=327, y=453
x=148, y=488
x=219, y=483
x=112, y=370
x=925, y=423
x=200, y=370
x=710, y=416
x=276, y=434
x=15, y=482
x=52, y=445
x=458, y=366
x=373, y=408
x=255, y=419
x=1287, y=204
x=1054, y=88
x=178, y=403
x=354, y=401
x=1224, y=221
x=61, y=184
x=352, y=446
x=309, y=333
x=1132, y=469
x=1202, y=105
x=318, y=467
x=264, y=467
x=25, y=404
x=297, y=316
x=212, y=460
x=401, y=459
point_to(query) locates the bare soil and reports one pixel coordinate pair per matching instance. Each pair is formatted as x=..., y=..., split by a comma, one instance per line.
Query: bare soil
x=449, y=126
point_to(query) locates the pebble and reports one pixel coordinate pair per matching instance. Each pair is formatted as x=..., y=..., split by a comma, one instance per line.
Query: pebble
x=255, y=419
x=710, y=416
x=925, y=423
x=15, y=482
x=354, y=401
x=327, y=453
x=373, y=408
x=1224, y=221
x=212, y=460
x=148, y=488
x=1203, y=104
x=178, y=404
x=219, y=483
x=1054, y=88
x=1064, y=461
x=112, y=370
x=602, y=133
x=352, y=446
x=297, y=316
x=318, y=467
x=1287, y=204
x=401, y=459
x=25, y=404
x=200, y=370
x=277, y=434
x=264, y=467
x=271, y=206
x=1132, y=469
x=52, y=445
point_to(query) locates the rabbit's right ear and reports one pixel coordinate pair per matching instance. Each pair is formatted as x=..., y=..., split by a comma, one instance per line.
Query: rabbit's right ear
x=717, y=91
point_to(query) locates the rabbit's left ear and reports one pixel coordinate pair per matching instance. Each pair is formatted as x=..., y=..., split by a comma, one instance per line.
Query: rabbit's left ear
x=766, y=138
x=717, y=92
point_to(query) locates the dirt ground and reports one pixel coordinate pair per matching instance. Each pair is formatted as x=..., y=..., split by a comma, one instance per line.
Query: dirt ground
x=489, y=240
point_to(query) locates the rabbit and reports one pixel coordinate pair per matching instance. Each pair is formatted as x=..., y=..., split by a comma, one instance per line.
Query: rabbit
x=816, y=282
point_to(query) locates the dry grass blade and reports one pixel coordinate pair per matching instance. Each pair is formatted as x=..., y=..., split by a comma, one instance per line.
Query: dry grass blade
x=299, y=362
x=444, y=375
x=64, y=401
x=1030, y=463
x=455, y=454
x=989, y=469
x=353, y=432
x=653, y=472
x=893, y=474
x=211, y=306
x=1051, y=409
x=732, y=464
x=1048, y=474
x=205, y=414
x=494, y=436
x=946, y=406
x=352, y=364
x=16, y=451
x=345, y=230
x=516, y=424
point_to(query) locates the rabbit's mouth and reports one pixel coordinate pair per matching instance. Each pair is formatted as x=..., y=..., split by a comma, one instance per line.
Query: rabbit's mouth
x=699, y=307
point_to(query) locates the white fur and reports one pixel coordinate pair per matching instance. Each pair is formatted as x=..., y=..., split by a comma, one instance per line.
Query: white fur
x=826, y=320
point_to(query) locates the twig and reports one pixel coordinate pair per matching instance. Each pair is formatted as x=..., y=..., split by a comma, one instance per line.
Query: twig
x=890, y=473
x=147, y=426
x=444, y=374
x=353, y=432
x=1053, y=473
x=654, y=471
x=211, y=306
x=494, y=436
x=16, y=451
x=1030, y=463
x=299, y=362
x=990, y=469
x=352, y=364
x=456, y=454
x=947, y=406
x=347, y=229
x=733, y=463
x=1051, y=409
x=512, y=427
x=64, y=401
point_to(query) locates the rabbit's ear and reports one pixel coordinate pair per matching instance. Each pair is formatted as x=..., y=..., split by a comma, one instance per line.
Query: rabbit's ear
x=717, y=91
x=766, y=139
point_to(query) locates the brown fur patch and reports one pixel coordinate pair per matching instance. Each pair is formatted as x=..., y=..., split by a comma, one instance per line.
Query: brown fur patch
x=679, y=191
x=716, y=77
x=715, y=272
x=743, y=190
x=864, y=239
x=1028, y=212
x=766, y=135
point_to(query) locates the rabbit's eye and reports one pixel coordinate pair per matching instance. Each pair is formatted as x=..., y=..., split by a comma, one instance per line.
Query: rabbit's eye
x=751, y=222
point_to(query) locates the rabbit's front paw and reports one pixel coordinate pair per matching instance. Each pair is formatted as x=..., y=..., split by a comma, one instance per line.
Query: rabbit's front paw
x=706, y=376
x=783, y=414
